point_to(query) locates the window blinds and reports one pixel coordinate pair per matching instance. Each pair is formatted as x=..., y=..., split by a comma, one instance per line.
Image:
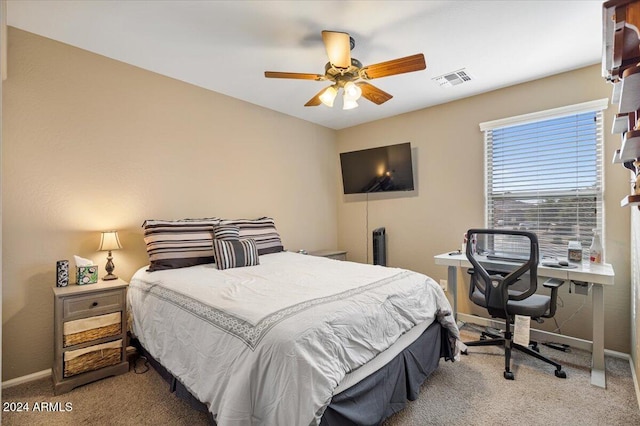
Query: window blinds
x=545, y=176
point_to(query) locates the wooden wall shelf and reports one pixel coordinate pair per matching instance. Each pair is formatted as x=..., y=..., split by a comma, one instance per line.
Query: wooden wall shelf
x=630, y=149
x=615, y=93
x=616, y=157
x=630, y=200
x=621, y=21
x=620, y=123
x=630, y=92
x=620, y=66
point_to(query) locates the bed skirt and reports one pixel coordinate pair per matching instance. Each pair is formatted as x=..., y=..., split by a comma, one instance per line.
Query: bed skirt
x=373, y=399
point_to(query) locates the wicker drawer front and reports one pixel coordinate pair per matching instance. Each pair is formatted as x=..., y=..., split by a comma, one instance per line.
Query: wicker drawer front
x=92, y=328
x=88, y=304
x=92, y=358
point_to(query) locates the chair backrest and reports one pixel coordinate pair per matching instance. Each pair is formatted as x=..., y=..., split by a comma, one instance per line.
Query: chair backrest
x=517, y=249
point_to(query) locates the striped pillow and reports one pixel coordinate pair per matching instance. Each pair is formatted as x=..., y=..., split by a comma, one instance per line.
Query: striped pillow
x=262, y=230
x=178, y=244
x=226, y=232
x=235, y=253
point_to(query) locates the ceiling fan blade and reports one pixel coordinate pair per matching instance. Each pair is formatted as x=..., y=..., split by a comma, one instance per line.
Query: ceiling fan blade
x=371, y=92
x=338, y=47
x=315, y=101
x=396, y=66
x=295, y=75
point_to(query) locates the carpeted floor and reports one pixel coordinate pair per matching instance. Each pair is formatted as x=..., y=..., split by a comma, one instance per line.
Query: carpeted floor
x=471, y=392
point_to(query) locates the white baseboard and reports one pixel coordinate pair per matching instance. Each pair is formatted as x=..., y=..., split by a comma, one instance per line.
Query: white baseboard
x=542, y=335
x=26, y=379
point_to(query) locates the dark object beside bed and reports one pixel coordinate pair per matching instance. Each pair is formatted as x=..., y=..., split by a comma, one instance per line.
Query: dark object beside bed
x=374, y=398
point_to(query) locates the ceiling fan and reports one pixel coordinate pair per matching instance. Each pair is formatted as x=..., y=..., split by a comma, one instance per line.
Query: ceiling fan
x=348, y=74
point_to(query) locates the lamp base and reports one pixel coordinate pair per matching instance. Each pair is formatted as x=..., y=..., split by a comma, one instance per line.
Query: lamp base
x=109, y=267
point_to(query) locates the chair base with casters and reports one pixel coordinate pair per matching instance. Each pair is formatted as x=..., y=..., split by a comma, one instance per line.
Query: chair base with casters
x=498, y=334
x=506, y=341
x=495, y=291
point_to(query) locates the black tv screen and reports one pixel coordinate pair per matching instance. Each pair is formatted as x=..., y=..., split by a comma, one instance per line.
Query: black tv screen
x=386, y=168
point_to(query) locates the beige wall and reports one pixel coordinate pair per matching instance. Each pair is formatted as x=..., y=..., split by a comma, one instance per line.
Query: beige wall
x=449, y=199
x=91, y=144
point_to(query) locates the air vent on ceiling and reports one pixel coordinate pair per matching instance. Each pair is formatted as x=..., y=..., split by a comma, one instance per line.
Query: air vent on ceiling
x=453, y=78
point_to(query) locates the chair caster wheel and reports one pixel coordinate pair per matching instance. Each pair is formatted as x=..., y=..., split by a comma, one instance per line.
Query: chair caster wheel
x=561, y=374
x=509, y=375
x=535, y=348
x=464, y=352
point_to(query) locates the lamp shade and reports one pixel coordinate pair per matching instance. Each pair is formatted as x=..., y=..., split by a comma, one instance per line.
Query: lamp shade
x=348, y=103
x=327, y=97
x=109, y=241
x=352, y=92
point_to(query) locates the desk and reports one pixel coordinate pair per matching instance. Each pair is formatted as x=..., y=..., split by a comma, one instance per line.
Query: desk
x=599, y=275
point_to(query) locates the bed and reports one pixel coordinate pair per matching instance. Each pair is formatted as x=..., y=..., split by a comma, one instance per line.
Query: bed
x=293, y=339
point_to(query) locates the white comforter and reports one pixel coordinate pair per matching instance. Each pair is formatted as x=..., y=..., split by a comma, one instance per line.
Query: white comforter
x=267, y=344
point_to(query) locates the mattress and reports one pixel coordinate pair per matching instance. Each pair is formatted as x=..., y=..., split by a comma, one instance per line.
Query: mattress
x=270, y=344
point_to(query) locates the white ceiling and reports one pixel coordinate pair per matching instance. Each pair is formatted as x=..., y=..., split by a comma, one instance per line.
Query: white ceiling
x=226, y=46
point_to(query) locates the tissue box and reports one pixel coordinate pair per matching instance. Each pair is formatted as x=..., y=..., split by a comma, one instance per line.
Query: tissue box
x=87, y=274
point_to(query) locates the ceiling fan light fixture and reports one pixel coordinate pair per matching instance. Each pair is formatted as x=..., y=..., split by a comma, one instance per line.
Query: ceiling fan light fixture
x=348, y=74
x=328, y=96
x=348, y=103
x=352, y=92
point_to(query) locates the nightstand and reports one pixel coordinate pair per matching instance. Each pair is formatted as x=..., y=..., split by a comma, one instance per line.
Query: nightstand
x=90, y=333
x=331, y=254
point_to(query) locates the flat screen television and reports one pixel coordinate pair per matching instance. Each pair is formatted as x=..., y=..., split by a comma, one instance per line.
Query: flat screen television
x=387, y=168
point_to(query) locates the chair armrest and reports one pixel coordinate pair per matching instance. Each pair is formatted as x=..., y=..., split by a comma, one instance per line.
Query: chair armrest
x=553, y=284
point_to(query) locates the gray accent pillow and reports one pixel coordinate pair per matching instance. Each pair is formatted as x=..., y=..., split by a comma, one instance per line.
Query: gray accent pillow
x=235, y=253
x=226, y=232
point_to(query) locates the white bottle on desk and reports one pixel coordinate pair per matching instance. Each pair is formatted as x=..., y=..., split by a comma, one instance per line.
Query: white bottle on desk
x=595, y=251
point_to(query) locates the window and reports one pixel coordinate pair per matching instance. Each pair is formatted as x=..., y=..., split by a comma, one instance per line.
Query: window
x=544, y=174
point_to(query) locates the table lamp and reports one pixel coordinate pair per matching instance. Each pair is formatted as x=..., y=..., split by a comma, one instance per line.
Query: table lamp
x=108, y=242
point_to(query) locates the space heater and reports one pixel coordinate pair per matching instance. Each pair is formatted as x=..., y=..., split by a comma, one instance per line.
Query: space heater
x=379, y=247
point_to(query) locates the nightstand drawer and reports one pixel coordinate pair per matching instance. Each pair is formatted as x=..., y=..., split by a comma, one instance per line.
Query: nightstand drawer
x=91, y=304
x=93, y=328
x=92, y=358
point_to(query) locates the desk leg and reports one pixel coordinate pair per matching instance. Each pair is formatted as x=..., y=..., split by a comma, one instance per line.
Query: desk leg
x=452, y=283
x=597, y=356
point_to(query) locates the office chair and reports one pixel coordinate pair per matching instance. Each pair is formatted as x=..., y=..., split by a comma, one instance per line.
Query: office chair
x=492, y=288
